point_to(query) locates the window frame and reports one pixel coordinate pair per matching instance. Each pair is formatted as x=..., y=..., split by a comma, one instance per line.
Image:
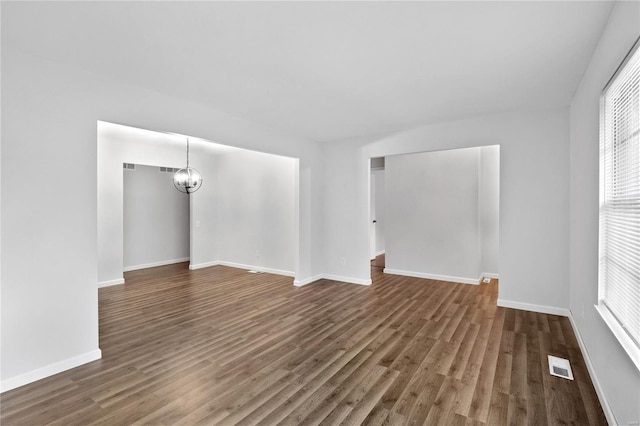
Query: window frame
x=629, y=344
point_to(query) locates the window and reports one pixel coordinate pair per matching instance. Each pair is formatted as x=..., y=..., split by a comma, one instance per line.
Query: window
x=619, y=243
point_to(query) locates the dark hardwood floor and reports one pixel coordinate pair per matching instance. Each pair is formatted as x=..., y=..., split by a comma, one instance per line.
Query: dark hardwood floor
x=223, y=346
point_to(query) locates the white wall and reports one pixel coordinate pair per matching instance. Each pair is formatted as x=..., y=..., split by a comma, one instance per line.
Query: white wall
x=49, y=267
x=489, y=210
x=346, y=213
x=443, y=213
x=618, y=378
x=156, y=218
x=432, y=214
x=204, y=210
x=256, y=210
x=534, y=199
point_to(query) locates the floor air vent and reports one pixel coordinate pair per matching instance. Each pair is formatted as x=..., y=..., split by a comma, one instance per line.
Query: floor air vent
x=560, y=367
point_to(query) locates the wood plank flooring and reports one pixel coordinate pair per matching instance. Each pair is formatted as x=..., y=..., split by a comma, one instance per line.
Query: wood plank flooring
x=223, y=346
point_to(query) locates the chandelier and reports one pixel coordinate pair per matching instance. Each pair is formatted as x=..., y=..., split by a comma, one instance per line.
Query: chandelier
x=187, y=180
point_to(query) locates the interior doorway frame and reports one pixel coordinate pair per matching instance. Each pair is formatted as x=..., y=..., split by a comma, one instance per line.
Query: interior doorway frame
x=369, y=201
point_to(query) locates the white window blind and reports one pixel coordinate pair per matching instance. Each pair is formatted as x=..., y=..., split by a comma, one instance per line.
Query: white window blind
x=619, y=244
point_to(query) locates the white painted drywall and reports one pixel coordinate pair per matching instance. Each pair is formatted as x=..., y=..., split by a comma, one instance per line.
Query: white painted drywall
x=50, y=113
x=380, y=206
x=432, y=213
x=489, y=209
x=346, y=212
x=204, y=212
x=617, y=376
x=255, y=202
x=534, y=197
x=156, y=218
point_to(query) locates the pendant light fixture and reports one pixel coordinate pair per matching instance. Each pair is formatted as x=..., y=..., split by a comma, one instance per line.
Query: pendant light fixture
x=187, y=180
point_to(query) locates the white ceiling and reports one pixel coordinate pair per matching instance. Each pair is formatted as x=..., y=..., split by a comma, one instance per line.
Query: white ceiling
x=327, y=70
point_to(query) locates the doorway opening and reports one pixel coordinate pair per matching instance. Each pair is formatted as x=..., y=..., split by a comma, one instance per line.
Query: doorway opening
x=377, y=213
x=156, y=220
x=245, y=215
x=439, y=212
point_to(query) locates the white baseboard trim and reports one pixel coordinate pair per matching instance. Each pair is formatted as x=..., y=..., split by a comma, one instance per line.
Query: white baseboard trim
x=350, y=280
x=608, y=412
x=110, y=283
x=300, y=283
x=490, y=275
x=552, y=310
x=461, y=280
x=49, y=370
x=203, y=265
x=380, y=253
x=243, y=266
x=154, y=264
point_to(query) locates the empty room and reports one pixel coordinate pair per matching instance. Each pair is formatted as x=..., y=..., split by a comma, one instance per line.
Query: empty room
x=219, y=213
